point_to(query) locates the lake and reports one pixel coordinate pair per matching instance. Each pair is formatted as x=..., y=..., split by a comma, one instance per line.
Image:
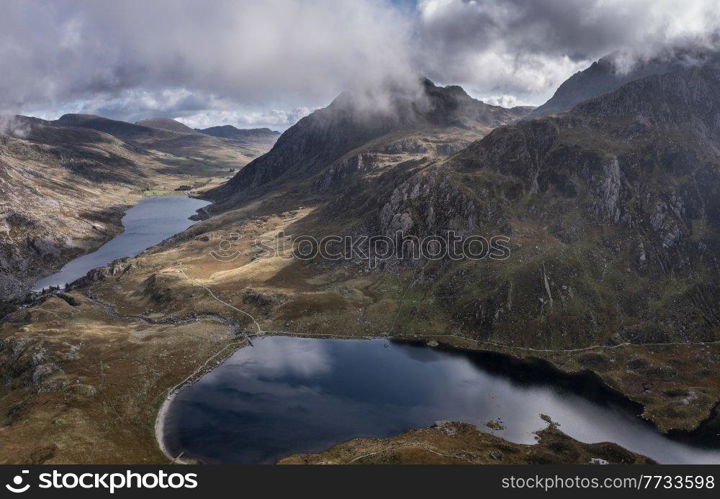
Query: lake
x=291, y=395
x=146, y=224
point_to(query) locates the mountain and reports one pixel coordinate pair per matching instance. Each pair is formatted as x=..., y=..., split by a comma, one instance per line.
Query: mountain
x=607, y=74
x=170, y=137
x=166, y=124
x=610, y=206
x=434, y=121
x=231, y=132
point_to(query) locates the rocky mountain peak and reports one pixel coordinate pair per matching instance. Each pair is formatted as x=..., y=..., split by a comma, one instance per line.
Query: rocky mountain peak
x=355, y=119
x=615, y=70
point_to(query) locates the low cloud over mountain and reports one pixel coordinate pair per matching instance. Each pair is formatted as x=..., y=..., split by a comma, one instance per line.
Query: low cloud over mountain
x=269, y=63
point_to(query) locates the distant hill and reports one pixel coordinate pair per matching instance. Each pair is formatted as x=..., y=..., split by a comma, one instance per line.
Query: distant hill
x=166, y=124
x=119, y=129
x=172, y=137
x=231, y=132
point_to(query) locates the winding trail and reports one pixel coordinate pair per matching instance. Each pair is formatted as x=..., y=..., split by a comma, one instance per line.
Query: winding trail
x=197, y=283
x=196, y=317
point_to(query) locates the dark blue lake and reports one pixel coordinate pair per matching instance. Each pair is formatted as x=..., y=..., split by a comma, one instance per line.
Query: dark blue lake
x=290, y=395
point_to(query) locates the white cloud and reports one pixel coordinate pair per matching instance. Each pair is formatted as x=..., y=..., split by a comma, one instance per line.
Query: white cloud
x=502, y=100
x=527, y=48
x=10, y=125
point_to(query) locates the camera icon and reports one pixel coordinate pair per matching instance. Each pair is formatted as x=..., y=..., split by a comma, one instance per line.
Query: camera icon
x=17, y=486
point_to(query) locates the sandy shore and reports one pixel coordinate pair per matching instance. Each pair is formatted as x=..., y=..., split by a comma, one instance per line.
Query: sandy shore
x=160, y=426
x=167, y=402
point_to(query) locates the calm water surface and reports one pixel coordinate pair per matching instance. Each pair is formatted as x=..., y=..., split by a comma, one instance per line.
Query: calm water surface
x=289, y=395
x=146, y=224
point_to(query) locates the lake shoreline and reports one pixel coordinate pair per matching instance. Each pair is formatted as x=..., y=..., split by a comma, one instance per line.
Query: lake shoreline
x=159, y=426
x=446, y=343
x=132, y=234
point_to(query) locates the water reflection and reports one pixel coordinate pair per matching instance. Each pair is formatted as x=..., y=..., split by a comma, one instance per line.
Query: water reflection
x=289, y=395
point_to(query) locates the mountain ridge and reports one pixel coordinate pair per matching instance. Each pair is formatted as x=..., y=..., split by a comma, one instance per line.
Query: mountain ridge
x=326, y=135
x=232, y=132
x=165, y=124
x=607, y=74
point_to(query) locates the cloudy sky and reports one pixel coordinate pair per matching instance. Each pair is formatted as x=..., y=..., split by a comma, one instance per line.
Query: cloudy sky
x=256, y=63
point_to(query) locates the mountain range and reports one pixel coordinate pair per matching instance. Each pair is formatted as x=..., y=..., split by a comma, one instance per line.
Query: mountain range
x=609, y=195
x=618, y=193
x=611, y=208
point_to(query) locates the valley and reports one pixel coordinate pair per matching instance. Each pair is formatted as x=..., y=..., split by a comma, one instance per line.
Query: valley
x=64, y=186
x=612, y=213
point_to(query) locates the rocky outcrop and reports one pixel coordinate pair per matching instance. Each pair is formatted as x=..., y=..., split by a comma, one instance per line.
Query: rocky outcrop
x=347, y=168
x=429, y=203
x=456, y=443
x=608, y=208
x=114, y=269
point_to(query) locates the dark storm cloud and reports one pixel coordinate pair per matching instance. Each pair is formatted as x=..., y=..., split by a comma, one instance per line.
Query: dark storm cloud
x=578, y=29
x=250, y=51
